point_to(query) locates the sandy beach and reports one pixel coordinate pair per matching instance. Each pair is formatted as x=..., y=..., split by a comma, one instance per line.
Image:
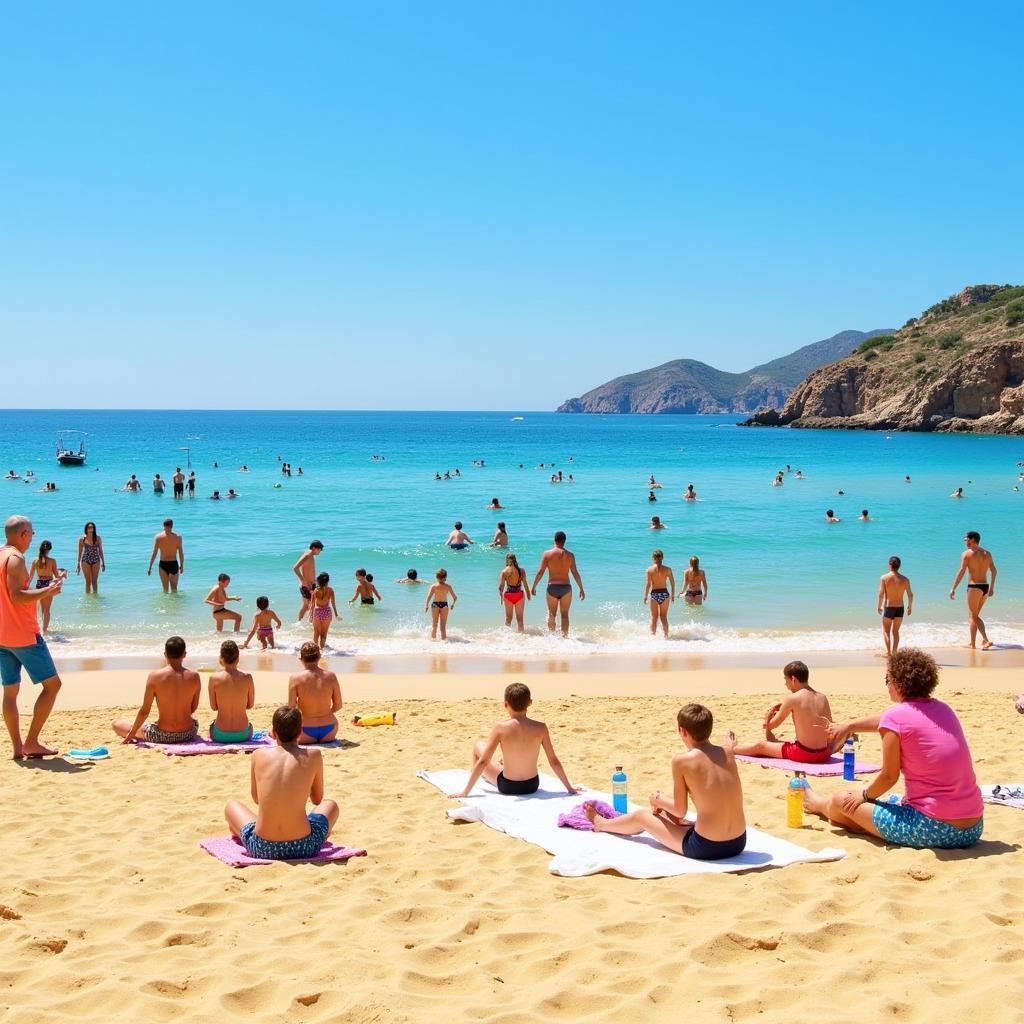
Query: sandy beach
x=109, y=909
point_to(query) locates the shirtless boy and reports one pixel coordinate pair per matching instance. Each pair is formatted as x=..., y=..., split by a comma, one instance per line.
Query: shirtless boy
x=283, y=778
x=977, y=562
x=172, y=557
x=811, y=717
x=176, y=692
x=704, y=773
x=458, y=540
x=893, y=594
x=558, y=563
x=317, y=694
x=659, y=591
x=305, y=569
x=232, y=694
x=521, y=739
x=365, y=592
x=218, y=598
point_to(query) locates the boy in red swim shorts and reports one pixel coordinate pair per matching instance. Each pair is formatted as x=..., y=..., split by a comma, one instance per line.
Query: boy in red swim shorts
x=811, y=717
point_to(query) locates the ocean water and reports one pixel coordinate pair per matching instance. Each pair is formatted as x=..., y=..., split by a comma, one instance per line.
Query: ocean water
x=781, y=579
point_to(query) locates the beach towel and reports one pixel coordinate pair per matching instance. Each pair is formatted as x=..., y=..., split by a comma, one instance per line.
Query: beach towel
x=231, y=851
x=204, y=745
x=1009, y=794
x=577, y=817
x=534, y=819
x=833, y=766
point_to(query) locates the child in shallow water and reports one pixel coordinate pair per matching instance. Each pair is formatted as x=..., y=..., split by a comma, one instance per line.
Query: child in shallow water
x=323, y=609
x=440, y=601
x=263, y=624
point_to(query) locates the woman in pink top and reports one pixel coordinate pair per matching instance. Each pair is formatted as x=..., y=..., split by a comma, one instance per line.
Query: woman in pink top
x=921, y=738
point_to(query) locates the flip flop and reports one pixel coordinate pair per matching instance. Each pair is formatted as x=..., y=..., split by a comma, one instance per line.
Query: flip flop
x=96, y=754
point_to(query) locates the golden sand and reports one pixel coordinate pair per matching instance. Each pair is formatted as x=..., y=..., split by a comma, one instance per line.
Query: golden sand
x=109, y=909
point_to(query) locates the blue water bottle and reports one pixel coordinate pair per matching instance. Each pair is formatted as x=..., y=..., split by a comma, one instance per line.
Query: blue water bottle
x=619, y=800
x=849, y=760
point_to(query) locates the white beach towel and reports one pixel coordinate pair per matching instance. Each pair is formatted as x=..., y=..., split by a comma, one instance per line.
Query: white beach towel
x=1009, y=794
x=535, y=820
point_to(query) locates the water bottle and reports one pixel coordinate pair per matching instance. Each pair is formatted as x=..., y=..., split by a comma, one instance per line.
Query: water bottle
x=795, y=803
x=849, y=761
x=619, y=801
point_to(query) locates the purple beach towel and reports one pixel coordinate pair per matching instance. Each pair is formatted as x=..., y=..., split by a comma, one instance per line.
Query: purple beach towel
x=231, y=851
x=577, y=818
x=833, y=766
x=203, y=745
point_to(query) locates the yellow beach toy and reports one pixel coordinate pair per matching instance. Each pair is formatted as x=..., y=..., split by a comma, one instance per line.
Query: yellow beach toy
x=378, y=718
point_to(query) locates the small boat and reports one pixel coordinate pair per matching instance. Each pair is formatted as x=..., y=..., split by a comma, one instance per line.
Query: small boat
x=67, y=454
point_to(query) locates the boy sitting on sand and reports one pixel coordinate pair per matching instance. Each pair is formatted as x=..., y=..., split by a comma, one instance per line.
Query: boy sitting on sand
x=317, y=694
x=811, y=717
x=176, y=692
x=283, y=779
x=520, y=739
x=704, y=773
x=231, y=695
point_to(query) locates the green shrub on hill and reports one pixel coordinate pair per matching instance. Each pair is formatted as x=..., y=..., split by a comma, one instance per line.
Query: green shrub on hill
x=882, y=342
x=948, y=339
x=1014, y=312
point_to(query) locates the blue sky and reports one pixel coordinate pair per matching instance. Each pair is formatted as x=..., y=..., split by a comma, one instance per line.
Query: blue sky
x=468, y=205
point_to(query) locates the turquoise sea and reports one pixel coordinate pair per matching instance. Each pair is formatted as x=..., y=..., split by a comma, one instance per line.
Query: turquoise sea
x=781, y=579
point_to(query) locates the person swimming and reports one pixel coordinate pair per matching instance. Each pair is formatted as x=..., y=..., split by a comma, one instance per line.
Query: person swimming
x=457, y=539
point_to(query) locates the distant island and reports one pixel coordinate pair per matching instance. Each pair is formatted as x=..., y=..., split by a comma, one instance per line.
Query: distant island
x=957, y=367
x=690, y=386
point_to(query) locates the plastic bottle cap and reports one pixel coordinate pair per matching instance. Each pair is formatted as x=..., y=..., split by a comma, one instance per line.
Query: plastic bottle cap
x=795, y=783
x=618, y=767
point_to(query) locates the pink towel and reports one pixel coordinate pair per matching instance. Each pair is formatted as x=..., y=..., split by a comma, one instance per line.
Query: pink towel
x=833, y=766
x=577, y=818
x=204, y=745
x=231, y=851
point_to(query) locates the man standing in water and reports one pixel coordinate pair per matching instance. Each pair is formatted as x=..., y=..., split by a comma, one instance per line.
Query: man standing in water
x=179, y=483
x=977, y=563
x=893, y=591
x=21, y=644
x=558, y=563
x=172, y=557
x=305, y=569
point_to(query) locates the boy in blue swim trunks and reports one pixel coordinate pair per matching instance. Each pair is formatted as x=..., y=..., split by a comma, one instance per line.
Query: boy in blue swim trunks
x=283, y=779
x=317, y=694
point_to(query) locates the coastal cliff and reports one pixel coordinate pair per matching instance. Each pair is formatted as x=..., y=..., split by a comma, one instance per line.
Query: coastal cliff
x=959, y=367
x=690, y=386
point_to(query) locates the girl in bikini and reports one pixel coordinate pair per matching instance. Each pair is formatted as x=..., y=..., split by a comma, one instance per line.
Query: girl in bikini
x=263, y=624
x=695, y=583
x=323, y=610
x=45, y=568
x=511, y=591
x=440, y=601
x=90, y=557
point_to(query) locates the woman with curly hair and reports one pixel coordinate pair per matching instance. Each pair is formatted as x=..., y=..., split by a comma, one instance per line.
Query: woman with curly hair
x=922, y=739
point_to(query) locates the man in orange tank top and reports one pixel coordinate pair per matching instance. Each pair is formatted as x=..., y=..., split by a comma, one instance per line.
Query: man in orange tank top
x=21, y=645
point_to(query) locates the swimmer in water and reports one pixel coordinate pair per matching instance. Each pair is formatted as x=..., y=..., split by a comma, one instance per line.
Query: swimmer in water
x=651, y=496
x=690, y=494
x=657, y=524
x=440, y=601
x=495, y=505
x=323, y=609
x=500, y=537
x=653, y=484
x=864, y=517
x=695, y=583
x=958, y=493
x=457, y=540
x=831, y=517
x=659, y=591
x=512, y=592
x=411, y=576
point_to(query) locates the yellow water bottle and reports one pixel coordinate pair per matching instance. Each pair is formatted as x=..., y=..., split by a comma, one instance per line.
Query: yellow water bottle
x=795, y=803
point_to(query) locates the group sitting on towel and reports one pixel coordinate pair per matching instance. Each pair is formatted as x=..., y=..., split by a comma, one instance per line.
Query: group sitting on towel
x=811, y=717
x=176, y=691
x=284, y=777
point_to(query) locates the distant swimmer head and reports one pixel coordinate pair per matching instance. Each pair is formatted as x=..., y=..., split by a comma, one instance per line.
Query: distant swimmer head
x=863, y=513
x=369, y=577
x=412, y=574
x=169, y=523
x=263, y=603
x=501, y=526
x=655, y=520
x=495, y=502
x=458, y=525
x=323, y=579
x=309, y=653
x=694, y=562
x=560, y=538
x=830, y=513
x=223, y=578
x=658, y=555
x=287, y=720
x=442, y=575
x=316, y=545
x=895, y=562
